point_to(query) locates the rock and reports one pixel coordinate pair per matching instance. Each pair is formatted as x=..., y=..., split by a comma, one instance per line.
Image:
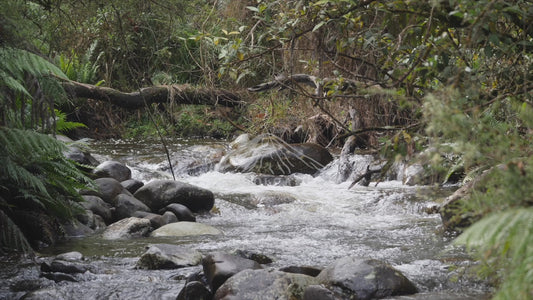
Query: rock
x=306, y=270
x=155, y=220
x=113, y=169
x=280, y=180
x=364, y=279
x=185, y=229
x=258, y=257
x=160, y=193
x=165, y=256
x=180, y=211
x=271, y=155
x=132, y=185
x=127, y=228
x=97, y=206
x=57, y=277
x=70, y=256
x=125, y=206
x=169, y=217
x=84, y=158
x=195, y=290
x=318, y=292
x=218, y=267
x=107, y=189
x=264, y=284
x=68, y=267
x=75, y=228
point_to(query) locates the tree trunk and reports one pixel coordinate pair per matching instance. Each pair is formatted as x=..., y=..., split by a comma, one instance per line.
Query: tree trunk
x=182, y=94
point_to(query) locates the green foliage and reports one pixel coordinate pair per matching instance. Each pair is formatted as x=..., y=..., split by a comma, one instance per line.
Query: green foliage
x=62, y=125
x=504, y=239
x=27, y=90
x=81, y=69
x=35, y=175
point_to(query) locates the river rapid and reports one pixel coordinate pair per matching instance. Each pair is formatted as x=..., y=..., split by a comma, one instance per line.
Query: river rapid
x=309, y=224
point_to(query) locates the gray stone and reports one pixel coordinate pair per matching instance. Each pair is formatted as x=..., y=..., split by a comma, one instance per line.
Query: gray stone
x=169, y=217
x=107, y=189
x=127, y=228
x=318, y=292
x=270, y=155
x=155, y=220
x=97, y=206
x=132, y=185
x=165, y=256
x=185, y=229
x=364, y=279
x=195, y=290
x=264, y=284
x=70, y=256
x=182, y=212
x=113, y=169
x=160, y=193
x=125, y=206
x=218, y=267
x=75, y=228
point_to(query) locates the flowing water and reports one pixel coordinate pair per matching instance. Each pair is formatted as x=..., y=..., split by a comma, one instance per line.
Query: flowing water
x=312, y=223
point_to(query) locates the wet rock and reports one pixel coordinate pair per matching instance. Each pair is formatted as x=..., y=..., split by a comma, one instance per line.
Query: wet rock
x=306, y=270
x=113, y=169
x=126, y=206
x=258, y=257
x=180, y=211
x=366, y=279
x=280, y=180
x=132, y=185
x=99, y=224
x=97, y=206
x=264, y=284
x=160, y=193
x=127, y=228
x=218, y=267
x=155, y=220
x=75, y=228
x=70, y=256
x=169, y=217
x=195, y=290
x=185, y=229
x=107, y=189
x=270, y=155
x=165, y=256
x=318, y=292
x=57, y=277
x=81, y=157
x=61, y=266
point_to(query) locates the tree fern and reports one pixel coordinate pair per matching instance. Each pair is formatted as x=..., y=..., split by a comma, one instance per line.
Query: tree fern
x=33, y=167
x=504, y=240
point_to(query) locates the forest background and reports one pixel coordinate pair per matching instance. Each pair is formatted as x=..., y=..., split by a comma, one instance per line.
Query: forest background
x=449, y=77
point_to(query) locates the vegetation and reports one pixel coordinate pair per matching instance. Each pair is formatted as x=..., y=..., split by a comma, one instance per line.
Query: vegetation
x=454, y=76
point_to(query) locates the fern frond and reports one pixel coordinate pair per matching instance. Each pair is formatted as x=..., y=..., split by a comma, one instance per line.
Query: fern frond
x=11, y=237
x=505, y=238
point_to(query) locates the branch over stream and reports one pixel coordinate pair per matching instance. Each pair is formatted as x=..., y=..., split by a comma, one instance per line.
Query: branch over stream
x=182, y=94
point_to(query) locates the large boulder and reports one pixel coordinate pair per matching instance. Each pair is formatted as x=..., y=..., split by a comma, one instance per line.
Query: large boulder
x=160, y=193
x=97, y=206
x=218, y=267
x=127, y=228
x=364, y=279
x=270, y=155
x=113, y=169
x=165, y=256
x=126, y=206
x=264, y=284
x=182, y=212
x=107, y=189
x=185, y=229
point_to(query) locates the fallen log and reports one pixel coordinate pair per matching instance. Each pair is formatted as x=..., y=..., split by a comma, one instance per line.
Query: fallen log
x=181, y=94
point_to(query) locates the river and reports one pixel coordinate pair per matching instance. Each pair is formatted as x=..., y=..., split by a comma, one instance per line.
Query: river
x=312, y=223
